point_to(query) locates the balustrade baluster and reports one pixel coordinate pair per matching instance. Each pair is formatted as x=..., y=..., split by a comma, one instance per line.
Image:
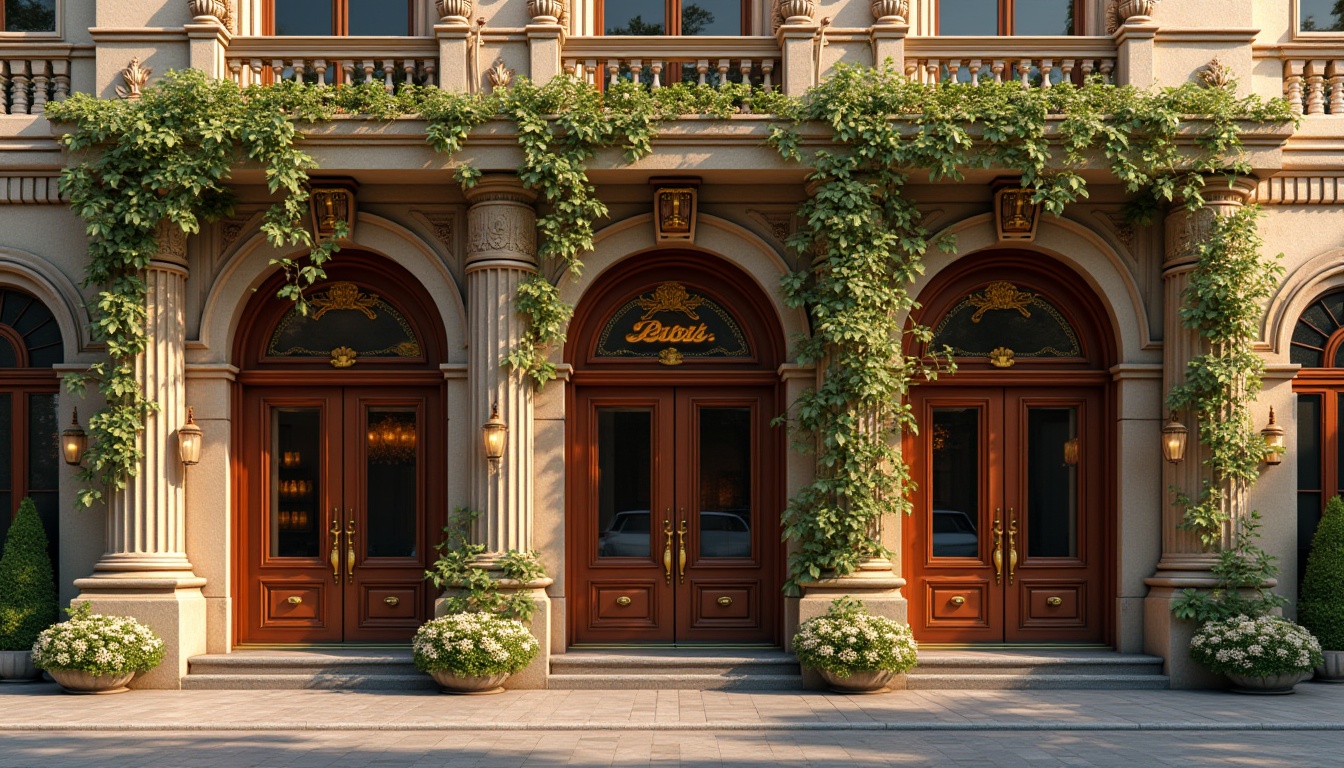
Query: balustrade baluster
x=347, y=68
x=300, y=67
x=656, y=67
x=389, y=66
x=236, y=67
x=702, y=67
x=1315, y=74
x=1066, y=68
x=4, y=87
x=912, y=69
x=408, y=66
x=767, y=72
x=1107, y=66
x=745, y=68
x=18, y=76
x=60, y=70
x=277, y=70
x=613, y=67
x=931, y=71
x=430, y=68
x=974, y=68
x=320, y=67
x=1087, y=67
x=1335, y=72
x=1024, y=72
x=954, y=70
x=368, y=65
x=1047, y=66
x=723, y=71
x=41, y=82
x=636, y=69
x=997, y=67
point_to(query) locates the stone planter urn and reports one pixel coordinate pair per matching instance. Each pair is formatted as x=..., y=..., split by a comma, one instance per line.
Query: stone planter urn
x=453, y=10
x=1332, y=671
x=891, y=11
x=870, y=681
x=78, y=681
x=17, y=667
x=546, y=11
x=208, y=10
x=1273, y=685
x=797, y=11
x=469, y=685
x=1136, y=9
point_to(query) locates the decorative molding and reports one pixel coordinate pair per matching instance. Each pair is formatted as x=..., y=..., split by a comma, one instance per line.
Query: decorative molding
x=508, y=228
x=31, y=190
x=778, y=223
x=136, y=77
x=230, y=230
x=444, y=227
x=1301, y=190
x=499, y=75
x=172, y=241
x=1216, y=74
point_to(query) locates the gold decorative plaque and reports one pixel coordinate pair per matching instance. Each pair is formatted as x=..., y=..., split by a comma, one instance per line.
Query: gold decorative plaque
x=1015, y=215
x=345, y=296
x=1002, y=358
x=671, y=356
x=675, y=203
x=1000, y=295
x=343, y=357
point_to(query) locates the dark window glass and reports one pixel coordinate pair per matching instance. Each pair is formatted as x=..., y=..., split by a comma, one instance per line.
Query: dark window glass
x=392, y=483
x=711, y=17
x=1043, y=17
x=9, y=357
x=968, y=17
x=625, y=482
x=344, y=316
x=6, y=461
x=955, y=443
x=1309, y=460
x=304, y=17
x=1320, y=15
x=1052, y=482
x=725, y=482
x=30, y=15
x=379, y=17
x=43, y=468
x=985, y=321
x=296, y=482
x=634, y=17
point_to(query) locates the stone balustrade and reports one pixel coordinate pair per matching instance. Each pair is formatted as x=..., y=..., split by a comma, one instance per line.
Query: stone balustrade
x=659, y=61
x=1314, y=86
x=30, y=79
x=1035, y=62
x=385, y=61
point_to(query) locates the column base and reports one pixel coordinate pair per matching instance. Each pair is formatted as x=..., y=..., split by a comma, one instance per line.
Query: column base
x=536, y=674
x=874, y=583
x=1169, y=637
x=170, y=603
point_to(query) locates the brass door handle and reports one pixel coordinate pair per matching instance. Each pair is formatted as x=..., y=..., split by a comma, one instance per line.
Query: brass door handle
x=350, y=551
x=1012, y=549
x=294, y=600
x=725, y=601
x=958, y=600
x=667, y=547
x=681, y=551
x=997, y=549
x=623, y=601
x=392, y=600
x=335, y=546
x=1054, y=601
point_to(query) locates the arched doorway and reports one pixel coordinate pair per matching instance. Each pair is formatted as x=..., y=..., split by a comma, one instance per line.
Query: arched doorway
x=1009, y=539
x=339, y=458
x=675, y=472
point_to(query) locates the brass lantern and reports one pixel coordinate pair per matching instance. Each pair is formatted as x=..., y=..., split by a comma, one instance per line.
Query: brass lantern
x=74, y=441
x=495, y=435
x=189, y=440
x=1174, y=435
x=1274, y=441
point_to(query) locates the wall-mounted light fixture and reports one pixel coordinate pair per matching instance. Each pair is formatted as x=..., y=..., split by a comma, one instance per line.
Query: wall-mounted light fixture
x=74, y=441
x=495, y=435
x=1174, y=435
x=1274, y=441
x=1071, y=452
x=189, y=440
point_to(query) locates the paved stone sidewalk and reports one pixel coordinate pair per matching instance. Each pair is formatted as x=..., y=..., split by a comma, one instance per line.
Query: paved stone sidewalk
x=41, y=707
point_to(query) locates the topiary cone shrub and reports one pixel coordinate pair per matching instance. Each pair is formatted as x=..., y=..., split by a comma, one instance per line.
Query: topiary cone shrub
x=27, y=583
x=1320, y=607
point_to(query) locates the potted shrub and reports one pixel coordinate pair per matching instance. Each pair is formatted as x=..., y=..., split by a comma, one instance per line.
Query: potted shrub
x=473, y=652
x=853, y=650
x=1321, y=604
x=93, y=653
x=27, y=594
x=1265, y=654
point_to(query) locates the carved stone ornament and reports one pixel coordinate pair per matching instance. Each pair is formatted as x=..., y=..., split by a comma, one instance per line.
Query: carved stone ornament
x=675, y=208
x=136, y=77
x=458, y=11
x=331, y=203
x=507, y=228
x=1112, y=16
x=343, y=357
x=549, y=11
x=1002, y=358
x=891, y=11
x=499, y=75
x=444, y=226
x=1000, y=295
x=1215, y=74
x=172, y=241
x=1015, y=215
x=208, y=10
x=795, y=11
x=1136, y=10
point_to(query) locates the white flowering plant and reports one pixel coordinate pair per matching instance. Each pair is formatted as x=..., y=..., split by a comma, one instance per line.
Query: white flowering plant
x=97, y=644
x=474, y=644
x=848, y=639
x=1262, y=646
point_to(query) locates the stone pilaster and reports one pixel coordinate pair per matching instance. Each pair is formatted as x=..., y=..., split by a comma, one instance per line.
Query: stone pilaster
x=797, y=42
x=1185, y=561
x=145, y=572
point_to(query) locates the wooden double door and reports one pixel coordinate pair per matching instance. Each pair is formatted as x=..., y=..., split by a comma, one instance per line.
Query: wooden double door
x=336, y=490
x=1007, y=542
x=677, y=537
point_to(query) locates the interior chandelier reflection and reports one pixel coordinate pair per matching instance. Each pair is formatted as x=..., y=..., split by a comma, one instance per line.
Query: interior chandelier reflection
x=392, y=441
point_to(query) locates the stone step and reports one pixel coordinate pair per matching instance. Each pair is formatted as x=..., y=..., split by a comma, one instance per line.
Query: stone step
x=926, y=681
x=675, y=662
x=1043, y=662
x=354, y=662
x=680, y=682
x=317, y=681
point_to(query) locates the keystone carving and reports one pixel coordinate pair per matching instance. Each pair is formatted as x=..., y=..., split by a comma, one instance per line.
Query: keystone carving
x=136, y=77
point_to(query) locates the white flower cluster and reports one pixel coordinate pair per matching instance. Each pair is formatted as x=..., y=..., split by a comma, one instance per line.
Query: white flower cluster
x=1256, y=647
x=474, y=644
x=848, y=640
x=99, y=645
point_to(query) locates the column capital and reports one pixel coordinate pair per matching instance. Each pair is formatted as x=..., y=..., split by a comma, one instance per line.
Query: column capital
x=501, y=224
x=495, y=187
x=1185, y=228
x=172, y=247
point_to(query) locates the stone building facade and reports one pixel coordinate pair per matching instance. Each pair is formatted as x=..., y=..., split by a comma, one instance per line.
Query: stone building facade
x=335, y=444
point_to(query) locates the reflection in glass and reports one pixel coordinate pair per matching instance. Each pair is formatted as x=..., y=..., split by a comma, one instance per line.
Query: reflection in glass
x=392, y=483
x=1320, y=16
x=296, y=482
x=303, y=17
x=968, y=17
x=30, y=15
x=1043, y=17
x=711, y=17
x=44, y=467
x=633, y=17
x=1309, y=466
x=955, y=439
x=1052, y=483
x=625, y=481
x=725, y=482
x=379, y=17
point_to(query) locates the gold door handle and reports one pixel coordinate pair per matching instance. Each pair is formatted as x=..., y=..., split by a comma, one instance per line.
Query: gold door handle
x=350, y=550
x=725, y=601
x=335, y=546
x=623, y=601
x=681, y=552
x=667, y=547
x=392, y=600
x=997, y=550
x=1054, y=602
x=1012, y=549
x=294, y=600
x=958, y=600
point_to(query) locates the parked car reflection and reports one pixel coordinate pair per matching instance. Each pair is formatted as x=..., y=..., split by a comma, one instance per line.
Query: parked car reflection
x=722, y=534
x=954, y=534
x=627, y=536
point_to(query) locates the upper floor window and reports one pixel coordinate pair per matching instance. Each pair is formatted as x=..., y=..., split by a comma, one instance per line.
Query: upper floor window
x=989, y=18
x=1320, y=15
x=674, y=17
x=323, y=18
x=28, y=16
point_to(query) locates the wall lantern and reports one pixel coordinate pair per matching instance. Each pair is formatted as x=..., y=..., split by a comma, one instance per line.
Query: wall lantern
x=74, y=441
x=1274, y=442
x=675, y=208
x=189, y=440
x=331, y=201
x=1015, y=215
x=1174, y=435
x=495, y=434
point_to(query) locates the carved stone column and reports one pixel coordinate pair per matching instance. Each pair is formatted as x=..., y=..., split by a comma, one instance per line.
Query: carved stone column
x=1185, y=561
x=145, y=572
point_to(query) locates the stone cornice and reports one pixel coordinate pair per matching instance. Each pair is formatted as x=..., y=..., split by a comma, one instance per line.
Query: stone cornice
x=31, y=190
x=1309, y=189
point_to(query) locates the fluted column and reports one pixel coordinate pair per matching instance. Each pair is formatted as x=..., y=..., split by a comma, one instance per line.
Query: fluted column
x=501, y=254
x=145, y=572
